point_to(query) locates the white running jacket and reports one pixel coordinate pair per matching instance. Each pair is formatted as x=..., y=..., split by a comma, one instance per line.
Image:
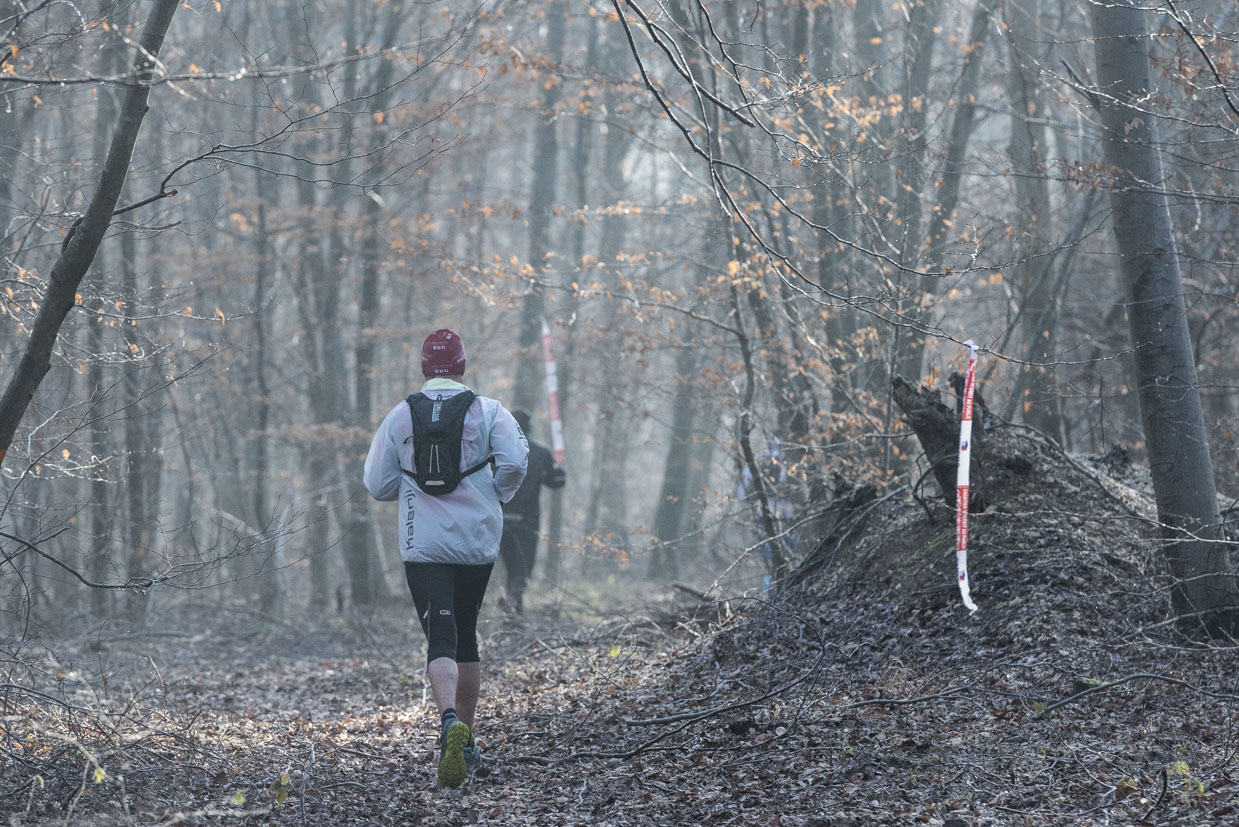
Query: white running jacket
x=465, y=525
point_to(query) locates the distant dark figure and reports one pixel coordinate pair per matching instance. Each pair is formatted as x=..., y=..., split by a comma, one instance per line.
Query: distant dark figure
x=522, y=515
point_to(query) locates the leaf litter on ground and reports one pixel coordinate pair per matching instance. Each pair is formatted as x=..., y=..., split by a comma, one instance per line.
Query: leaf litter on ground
x=862, y=693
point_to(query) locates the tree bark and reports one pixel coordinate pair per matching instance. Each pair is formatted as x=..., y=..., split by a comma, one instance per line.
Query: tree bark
x=526, y=393
x=937, y=429
x=312, y=291
x=101, y=505
x=83, y=241
x=258, y=439
x=950, y=181
x=1036, y=389
x=919, y=42
x=366, y=582
x=10, y=142
x=1170, y=407
x=674, y=500
x=586, y=134
x=362, y=537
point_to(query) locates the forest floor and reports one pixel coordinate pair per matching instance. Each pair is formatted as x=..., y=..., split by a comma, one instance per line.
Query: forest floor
x=863, y=693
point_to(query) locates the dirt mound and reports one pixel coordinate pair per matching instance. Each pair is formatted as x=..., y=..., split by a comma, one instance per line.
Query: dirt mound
x=1071, y=528
x=1067, y=698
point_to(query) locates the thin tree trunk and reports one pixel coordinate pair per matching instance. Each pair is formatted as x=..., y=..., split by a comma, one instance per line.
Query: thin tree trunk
x=133, y=465
x=270, y=591
x=356, y=544
x=361, y=542
x=585, y=135
x=952, y=174
x=778, y=558
x=527, y=391
x=1169, y=396
x=363, y=539
x=101, y=500
x=1035, y=389
x=152, y=459
x=311, y=275
x=101, y=506
x=919, y=43
x=871, y=45
x=673, y=500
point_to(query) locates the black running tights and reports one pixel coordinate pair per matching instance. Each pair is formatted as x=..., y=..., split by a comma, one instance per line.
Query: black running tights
x=448, y=598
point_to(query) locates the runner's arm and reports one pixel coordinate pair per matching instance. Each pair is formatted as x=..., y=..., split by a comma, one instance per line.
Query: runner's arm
x=381, y=474
x=511, y=452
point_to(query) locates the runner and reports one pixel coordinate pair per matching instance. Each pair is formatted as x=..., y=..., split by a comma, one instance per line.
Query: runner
x=522, y=517
x=449, y=540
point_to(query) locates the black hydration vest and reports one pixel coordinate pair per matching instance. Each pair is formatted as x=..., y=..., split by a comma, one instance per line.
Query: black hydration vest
x=438, y=425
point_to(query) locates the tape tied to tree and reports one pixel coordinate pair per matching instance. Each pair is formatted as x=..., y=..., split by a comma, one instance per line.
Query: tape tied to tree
x=552, y=389
x=961, y=479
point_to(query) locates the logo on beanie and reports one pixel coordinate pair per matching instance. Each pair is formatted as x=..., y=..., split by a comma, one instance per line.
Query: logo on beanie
x=443, y=354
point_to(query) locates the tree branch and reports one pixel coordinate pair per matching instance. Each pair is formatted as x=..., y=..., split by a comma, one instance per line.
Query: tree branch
x=75, y=260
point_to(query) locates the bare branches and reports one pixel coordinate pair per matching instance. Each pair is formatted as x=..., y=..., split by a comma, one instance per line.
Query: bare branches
x=679, y=62
x=250, y=71
x=73, y=263
x=1182, y=21
x=779, y=562
x=1139, y=676
x=132, y=584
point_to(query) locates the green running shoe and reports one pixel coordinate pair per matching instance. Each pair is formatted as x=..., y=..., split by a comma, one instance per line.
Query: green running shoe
x=452, y=767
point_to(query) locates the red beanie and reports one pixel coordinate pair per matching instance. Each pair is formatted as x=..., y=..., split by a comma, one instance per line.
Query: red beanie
x=443, y=354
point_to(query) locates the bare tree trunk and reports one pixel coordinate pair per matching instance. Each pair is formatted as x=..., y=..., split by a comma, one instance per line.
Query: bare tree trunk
x=80, y=247
x=366, y=584
x=101, y=506
x=362, y=536
x=779, y=563
x=608, y=506
x=919, y=44
x=1170, y=406
x=152, y=493
x=315, y=320
x=827, y=212
x=951, y=177
x=673, y=500
x=872, y=47
x=258, y=440
x=585, y=136
x=1036, y=389
x=10, y=144
x=135, y=426
x=527, y=391
x=362, y=541
x=607, y=509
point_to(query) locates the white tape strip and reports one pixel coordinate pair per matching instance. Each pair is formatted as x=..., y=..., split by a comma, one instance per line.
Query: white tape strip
x=961, y=480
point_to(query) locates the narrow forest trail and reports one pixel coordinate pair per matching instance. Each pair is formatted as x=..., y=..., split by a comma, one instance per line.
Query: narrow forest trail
x=863, y=694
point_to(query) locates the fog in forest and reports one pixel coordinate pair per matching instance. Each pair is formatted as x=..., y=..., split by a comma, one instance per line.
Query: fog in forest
x=747, y=249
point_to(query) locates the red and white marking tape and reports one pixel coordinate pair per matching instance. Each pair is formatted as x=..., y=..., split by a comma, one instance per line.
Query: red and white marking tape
x=961, y=479
x=552, y=389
